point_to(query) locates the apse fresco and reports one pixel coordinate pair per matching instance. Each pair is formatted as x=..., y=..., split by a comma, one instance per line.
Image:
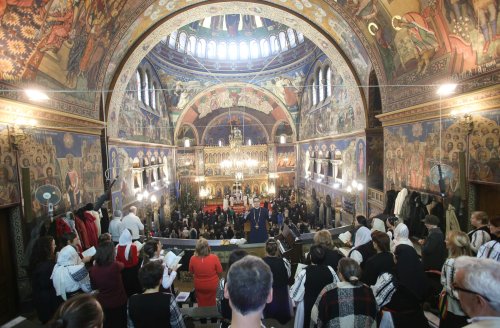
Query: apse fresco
x=265, y=93
x=285, y=158
x=69, y=162
x=339, y=113
x=220, y=129
x=348, y=155
x=59, y=44
x=140, y=122
x=9, y=185
x=412, y=153
x=138, y=169
x=228, y=97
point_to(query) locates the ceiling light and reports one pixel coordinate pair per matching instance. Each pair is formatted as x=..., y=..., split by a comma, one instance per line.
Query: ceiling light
x=36, y=95
x=446, y=89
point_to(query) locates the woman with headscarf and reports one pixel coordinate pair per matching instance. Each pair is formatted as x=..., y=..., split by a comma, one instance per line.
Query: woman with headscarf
x=378, y=225
x=70, y=277
x=381, y=262
x=363, y=246
x=401, y=236
x=411, y=287
x=126, y=253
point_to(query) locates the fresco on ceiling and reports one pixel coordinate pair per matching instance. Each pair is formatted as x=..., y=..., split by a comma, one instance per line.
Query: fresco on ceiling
x=229, y=97
x=220, y=129
x=70, y=162
x=139, y=169
x=285, y=158
x=9, y=185
x=342, y=112
x=320, y=12
x=140, y=122
x=430, y=40
x=340, y=164
x=288, y=87
x=59, y=44
x=412, y=153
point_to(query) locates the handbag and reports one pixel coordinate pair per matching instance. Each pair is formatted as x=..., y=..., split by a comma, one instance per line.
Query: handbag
x=443, y=304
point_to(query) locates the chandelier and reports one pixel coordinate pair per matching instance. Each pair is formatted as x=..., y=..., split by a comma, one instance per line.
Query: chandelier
x=238, y=162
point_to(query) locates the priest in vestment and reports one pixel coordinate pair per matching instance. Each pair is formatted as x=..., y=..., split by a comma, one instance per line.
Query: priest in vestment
x=258, y=218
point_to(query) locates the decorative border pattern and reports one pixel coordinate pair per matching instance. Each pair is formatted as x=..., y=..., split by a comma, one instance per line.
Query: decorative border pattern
x=16, y=231
x=485, y=99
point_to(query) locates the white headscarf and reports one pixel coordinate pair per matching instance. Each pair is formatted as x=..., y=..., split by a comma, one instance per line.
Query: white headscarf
x=401, y=235
x=126, y=240
x=378, y=225
x=363, y=235
x=66, y=275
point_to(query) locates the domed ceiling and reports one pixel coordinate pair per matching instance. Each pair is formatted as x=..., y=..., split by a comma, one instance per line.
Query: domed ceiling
x=233, y=43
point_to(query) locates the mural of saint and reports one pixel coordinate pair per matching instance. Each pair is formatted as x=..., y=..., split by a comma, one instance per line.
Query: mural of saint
x=72, y=183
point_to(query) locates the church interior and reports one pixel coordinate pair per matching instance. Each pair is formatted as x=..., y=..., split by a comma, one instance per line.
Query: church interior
x=187, y=105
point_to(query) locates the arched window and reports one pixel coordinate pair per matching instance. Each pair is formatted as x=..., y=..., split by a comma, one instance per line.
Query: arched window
x=221, y=50
x=146, y=88
x=291, y=37
x=275, y=48
x=172, y=39
x=321, y=88
x=211, y=50
x=328, y=82
x=284, y=45
x=254, y=49
x=264, y=47
x=191, y=45
x=300, y=37
x=153, y=96
x=182, y=42
x=139, y=85
x=233, y=51
x=202, y=47
x=314, y=94
x=243, y=50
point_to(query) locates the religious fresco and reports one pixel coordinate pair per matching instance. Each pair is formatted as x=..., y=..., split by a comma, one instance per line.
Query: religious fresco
x=321, y=13
x=412, y=153
x=181, y=88
x=58, y=44
x=185, y=163
x=229, y=97
x=375, y=161
x=345, y=157
x=342, y=112
x=140, y=122
x=138, y=169
x=220, y=129
x=9, y=185
x=285, y=158
x=70, y=162
x=424, y=41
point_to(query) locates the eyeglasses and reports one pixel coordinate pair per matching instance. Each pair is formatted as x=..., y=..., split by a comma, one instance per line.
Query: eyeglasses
x=464, y=290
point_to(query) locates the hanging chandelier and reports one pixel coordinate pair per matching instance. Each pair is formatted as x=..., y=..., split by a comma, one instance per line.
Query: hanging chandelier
x=238, y=162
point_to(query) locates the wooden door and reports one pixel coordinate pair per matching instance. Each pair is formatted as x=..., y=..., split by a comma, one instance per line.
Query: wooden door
x=8, y=294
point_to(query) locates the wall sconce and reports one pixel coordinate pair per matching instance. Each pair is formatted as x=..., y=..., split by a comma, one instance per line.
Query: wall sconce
x=465, y=119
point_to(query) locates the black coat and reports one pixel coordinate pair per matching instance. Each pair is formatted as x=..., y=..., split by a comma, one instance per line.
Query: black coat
x=376, y=265
x=434, y=251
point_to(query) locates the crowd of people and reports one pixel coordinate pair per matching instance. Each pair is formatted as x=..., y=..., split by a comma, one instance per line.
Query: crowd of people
x=381, y=280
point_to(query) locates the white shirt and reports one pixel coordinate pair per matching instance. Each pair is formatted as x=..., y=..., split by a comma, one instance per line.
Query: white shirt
x=115, y=229
x=490, y=250
x=133, y=223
